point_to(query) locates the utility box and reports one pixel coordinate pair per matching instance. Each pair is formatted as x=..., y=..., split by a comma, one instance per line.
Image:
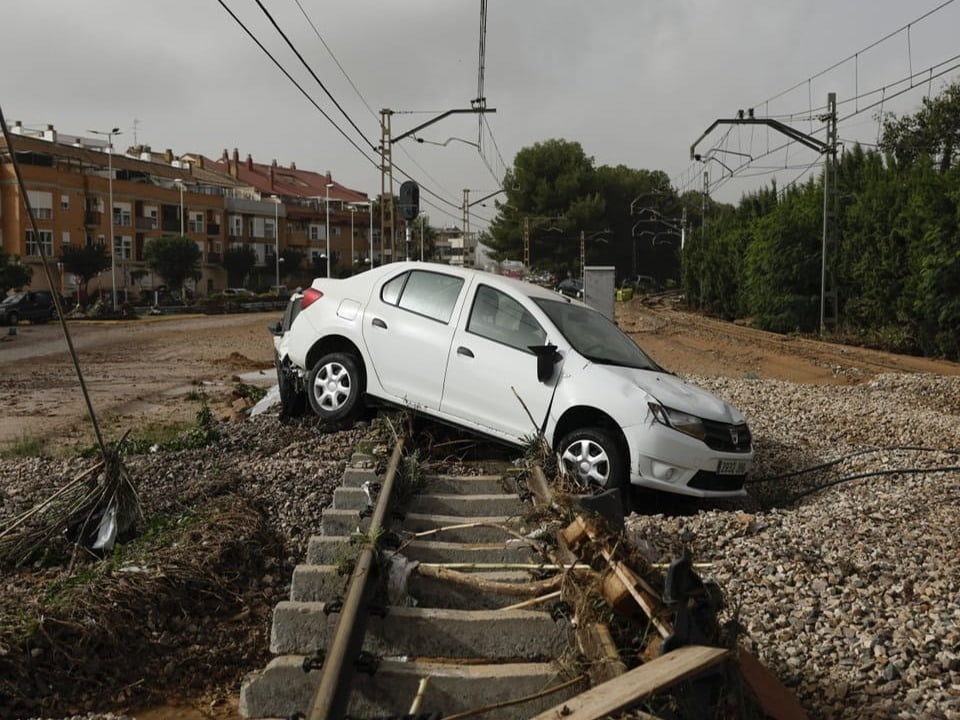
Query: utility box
x=599, y=288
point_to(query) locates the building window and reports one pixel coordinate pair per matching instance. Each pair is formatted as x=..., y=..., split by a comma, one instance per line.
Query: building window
x=65, y=238
x=41, y=203
x=196, y=222
x=236, y=226
x=269, y=230
x=33, y=248
x=317, y=232
x=121, y=215
x=123, y=246
x=64, y=202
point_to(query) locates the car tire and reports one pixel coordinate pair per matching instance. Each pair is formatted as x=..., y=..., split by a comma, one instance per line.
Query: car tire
x=334, y=387
x=293, y=402
x=13, y=319
x=595, y=459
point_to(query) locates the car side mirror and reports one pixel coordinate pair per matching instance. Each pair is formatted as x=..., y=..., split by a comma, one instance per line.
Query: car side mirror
x=547, y=357
x=276, y=328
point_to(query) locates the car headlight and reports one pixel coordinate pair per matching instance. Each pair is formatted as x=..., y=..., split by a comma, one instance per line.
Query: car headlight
x=684, y=422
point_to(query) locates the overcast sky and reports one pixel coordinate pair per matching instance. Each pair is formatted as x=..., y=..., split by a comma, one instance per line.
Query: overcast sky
x=635, y=82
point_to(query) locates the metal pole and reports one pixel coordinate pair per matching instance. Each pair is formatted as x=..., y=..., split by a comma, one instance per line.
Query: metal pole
x=276, y=239
x=113, y=247
x=421, y=238
x=583, y=272
x=113, y=250
x=370, y=236
x=180, y=183
x=353, y=215
x=328, y=228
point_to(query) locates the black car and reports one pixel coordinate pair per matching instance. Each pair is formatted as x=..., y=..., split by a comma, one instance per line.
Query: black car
x=571, y=287
x=37, y=306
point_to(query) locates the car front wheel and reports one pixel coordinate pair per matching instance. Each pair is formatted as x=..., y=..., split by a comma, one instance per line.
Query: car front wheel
x=595, y=460
x=333, y=387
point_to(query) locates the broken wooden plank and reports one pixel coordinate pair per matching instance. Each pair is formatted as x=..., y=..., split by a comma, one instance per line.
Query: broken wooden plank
x=774, y=697
x=597, y=644
x=628, y=689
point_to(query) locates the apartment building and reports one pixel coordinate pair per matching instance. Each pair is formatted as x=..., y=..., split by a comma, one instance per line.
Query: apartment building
x=82, y=193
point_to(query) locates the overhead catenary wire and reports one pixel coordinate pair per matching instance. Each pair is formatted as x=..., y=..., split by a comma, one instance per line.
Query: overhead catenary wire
x=297, y=84
x=687, y=179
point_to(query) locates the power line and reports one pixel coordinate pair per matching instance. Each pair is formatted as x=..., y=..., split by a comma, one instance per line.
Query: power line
x=313, y=74
x=296, y=84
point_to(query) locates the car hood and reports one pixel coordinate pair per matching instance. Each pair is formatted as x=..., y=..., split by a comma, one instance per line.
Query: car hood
x=673, y=392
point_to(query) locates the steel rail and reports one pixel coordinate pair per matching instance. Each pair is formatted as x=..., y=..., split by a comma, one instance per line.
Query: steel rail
x=332, y=695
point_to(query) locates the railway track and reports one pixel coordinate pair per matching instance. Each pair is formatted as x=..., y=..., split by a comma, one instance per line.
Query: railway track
x=449, y=596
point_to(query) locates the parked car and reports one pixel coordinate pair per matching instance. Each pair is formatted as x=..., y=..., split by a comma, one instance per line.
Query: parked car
x=571, y=287
x=509, y=360
x=644, y=284
x=37, y=306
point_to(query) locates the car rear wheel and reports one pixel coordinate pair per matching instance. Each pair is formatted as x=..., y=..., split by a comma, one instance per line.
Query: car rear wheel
x=596, y=461
x=333, y=387
x=293, y=402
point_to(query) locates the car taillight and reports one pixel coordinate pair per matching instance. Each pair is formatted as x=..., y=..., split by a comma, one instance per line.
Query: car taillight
x=309, y=296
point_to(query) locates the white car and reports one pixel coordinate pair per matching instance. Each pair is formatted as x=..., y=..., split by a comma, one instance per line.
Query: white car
x=509, y=360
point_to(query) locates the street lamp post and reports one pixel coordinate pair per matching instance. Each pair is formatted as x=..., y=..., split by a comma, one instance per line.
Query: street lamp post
x=421, y=237
x=370, y=234
x=327, y=204
x=276, y=240
x=179, y=183
x=113, y=250
x=353, y=214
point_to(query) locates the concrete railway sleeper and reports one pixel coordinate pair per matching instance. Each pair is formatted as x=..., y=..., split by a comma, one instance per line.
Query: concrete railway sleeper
x=463, y=600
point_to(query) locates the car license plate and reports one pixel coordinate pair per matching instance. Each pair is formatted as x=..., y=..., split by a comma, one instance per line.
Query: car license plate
x=732, y=467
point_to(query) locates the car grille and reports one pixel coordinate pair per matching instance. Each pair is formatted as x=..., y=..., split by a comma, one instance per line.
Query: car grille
x=709, y=480
x=726, y=437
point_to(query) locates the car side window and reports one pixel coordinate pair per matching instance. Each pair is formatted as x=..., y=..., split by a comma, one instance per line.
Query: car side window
x=431, y=294
x=390, y=293
x=498, y=317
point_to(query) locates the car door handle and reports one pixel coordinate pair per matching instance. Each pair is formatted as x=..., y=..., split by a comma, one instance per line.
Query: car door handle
x=377, y=322
x=465, y=351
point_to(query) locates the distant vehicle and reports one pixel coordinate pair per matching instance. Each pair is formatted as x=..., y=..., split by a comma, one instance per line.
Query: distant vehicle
x=571, y=287
x=507, y=359
x=644, y=284
x=241, y=292
x=37, y=306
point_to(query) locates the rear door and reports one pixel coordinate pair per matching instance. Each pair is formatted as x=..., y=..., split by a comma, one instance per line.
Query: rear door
x=408, y=327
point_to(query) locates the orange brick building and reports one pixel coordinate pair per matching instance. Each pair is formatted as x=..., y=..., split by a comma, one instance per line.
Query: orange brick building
x=70, y=182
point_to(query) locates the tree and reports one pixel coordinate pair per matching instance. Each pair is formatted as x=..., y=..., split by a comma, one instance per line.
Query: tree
x=13, y=274
x=174, y=258
x=238, y=261
x=290, y=261
x=85, y=261
x=934, y=130
x=551, y=183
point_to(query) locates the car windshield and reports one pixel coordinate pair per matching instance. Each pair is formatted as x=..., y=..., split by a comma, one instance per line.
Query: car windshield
x=10, y=299
x=594, y=336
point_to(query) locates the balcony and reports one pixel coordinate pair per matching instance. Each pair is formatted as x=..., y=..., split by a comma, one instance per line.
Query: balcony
x=92, y=217
x=213, y=228
x=214, y=258
x=146, y=223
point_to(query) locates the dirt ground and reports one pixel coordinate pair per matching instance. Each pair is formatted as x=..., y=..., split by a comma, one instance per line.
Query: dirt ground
x=151, y=372
x=155, y=372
